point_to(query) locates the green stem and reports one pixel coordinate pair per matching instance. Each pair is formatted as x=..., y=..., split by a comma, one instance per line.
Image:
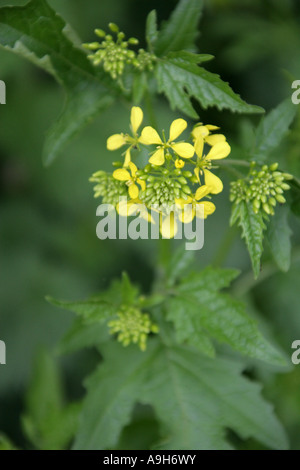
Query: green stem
x=150, y=109
x=163, y=259
x=225, y=246
x=230, y=161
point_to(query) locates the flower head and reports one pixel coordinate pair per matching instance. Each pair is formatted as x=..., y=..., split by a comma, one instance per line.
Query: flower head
x=117, y=141
x=150, y=136
x=131, y=179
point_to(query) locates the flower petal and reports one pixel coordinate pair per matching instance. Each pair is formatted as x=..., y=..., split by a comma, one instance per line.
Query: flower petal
x=127, y=158
x=199, y=144
x=121, y=174
x=199, y=130
x=133, y=168
x=136, y=118
x=214, y=139
x=219, y=151
x=142, y=184
x=205, y=208
x=150, y=136
x=168, y=226
x=202, y=192
x=158, y=158
x=115, y=141
x=183, y=149
x=133, y=191
x=197, y=173
x=187, y=214
x=213, y=181
x=210, y=127
x=177, y=127
x=180, y=202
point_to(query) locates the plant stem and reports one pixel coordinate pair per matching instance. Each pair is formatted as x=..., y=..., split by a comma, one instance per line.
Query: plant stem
x=224, y=247
x=150, y=109
x=230, y=161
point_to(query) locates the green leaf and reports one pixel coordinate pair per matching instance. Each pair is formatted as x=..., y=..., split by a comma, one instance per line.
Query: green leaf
x=180, y=31
x=83, y=335
x=112, y=392
x=151, y=29
x=278, y=236
x=37, y=33
x=139, y=87
x=201, y=312
x=180, y=79
x=92, y=311
x=6, y=443
x=273, y=128
x=47, y=422
x=253, y=227
x=195, y=400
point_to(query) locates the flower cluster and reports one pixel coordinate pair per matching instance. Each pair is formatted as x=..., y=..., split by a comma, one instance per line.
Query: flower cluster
x=178, y=176
x=263, y=187
x=132, y=326
x=114, y=53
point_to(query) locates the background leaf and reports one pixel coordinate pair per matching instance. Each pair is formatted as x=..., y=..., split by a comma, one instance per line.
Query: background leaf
x=278, y=236
x=37, y=33
x=180, y=31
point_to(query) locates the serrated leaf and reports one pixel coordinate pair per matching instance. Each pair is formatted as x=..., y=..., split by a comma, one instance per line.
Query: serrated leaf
x=37, y=33
x=195, y=399
x=151, y=29
x=91, y=310
x=199, y=310
x=47, y=422
x=180, y=31
x=180, y=80
x=278, y=236
x=83, y=335
x=253, y=227
x=273, y=128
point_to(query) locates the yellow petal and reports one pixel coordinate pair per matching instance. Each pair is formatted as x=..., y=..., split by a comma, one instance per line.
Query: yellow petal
x=202, y=192
x=187, y=214
x=177, y=127
x=210, y=127
x=200, y=130
x=214, y=139
x=133, y=191
x=136, y=118
x=121, y=174
x=127, y=157
x=180, y=202
x=158, y=158
x=184, y=150
x=199, y=144
x=115, y=141
x=205, y=208
x=149, y=136
x=142, y=184
x=179, y=163
x=197, y=172
x=219, y=151
x=214, y=183
x=168, y=226
x=133, y=168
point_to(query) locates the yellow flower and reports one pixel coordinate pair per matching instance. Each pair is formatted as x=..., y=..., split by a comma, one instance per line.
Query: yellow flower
x=205, y=132
x=218, y=151
x=191, y=206
x=131, y=179
x=149, y=136
x=179, y=163
x=117, y=141
x=168, y=225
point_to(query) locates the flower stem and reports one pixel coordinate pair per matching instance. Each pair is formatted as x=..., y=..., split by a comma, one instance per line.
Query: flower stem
x=225, y=246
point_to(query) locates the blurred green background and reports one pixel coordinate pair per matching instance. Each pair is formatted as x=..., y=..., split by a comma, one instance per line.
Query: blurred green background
x=48, y=243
